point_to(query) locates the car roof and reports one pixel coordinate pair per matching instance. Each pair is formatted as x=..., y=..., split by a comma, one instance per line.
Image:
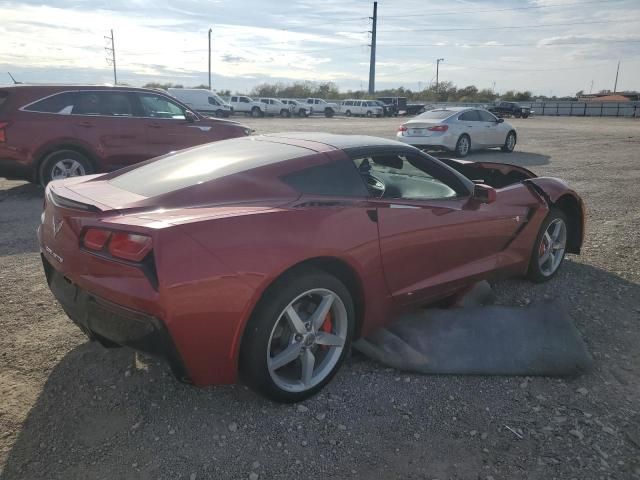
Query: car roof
x=68, y=86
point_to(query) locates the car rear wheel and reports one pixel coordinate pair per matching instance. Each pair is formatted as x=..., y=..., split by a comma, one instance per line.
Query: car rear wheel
x=348, y=113
x=328, y=113
x=64, y=164
x=255, y=112
x=298, y=336
x=369, y=114
x=509, y=142
x=463, y=146
x=549, y=249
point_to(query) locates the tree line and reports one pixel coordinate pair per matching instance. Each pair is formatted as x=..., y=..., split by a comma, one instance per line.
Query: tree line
x=445, y=92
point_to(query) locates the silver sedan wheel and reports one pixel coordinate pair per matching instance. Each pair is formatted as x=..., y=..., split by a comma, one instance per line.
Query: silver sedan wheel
x=66, y=168
x=307, y=340
x=463, y=145
x=552, y=247
x=511, y=141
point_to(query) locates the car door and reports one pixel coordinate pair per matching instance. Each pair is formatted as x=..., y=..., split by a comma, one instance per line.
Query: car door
x=495, y=134
x=434, y=237
x=166, y=125
x=105, y=120
x=470, y=123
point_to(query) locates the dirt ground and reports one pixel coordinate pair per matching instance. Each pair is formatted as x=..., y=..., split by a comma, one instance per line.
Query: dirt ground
x=70, y=409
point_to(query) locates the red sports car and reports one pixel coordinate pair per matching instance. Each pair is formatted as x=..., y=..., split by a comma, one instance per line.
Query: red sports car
x=264, y=257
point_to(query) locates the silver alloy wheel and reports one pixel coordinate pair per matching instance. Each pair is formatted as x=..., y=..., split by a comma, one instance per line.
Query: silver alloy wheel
x=511, y=141
x=463, y=145
x=66, y=168
x=300, y=352
x=552, y=246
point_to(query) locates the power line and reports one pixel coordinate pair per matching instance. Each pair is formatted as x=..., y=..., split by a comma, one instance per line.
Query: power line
x=473, y=45
x=459, y=12
x=519, y=27
x=112, y=59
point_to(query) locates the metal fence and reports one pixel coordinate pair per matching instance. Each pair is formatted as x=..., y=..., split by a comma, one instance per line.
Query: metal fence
x=573, y=109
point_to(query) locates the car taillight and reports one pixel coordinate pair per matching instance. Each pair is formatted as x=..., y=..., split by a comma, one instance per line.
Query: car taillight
x=123, y=245
x=3, y=131
x=439, y=128
x=402, y=128
x=95, y=239
x=129, y=246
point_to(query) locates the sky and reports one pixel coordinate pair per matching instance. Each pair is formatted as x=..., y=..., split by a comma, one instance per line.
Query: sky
x=551, y=47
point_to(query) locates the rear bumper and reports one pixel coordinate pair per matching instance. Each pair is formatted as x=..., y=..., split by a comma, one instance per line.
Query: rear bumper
x=432, y=142
x=112, y=324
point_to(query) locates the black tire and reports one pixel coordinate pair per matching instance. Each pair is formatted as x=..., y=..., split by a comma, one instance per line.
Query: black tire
x=283, y=113
x=255, y=344
x=461, y=151
x=525, y=115
x=348, y=113
x=535, y=272
x=219, y=113
x=50, y=165
x=508, y=144
x=517, y=114
x=369, y=113
x=256, y=112
x=302, y=113
x=328, y=112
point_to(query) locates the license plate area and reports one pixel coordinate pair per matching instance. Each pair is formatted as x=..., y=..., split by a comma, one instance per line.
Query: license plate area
x=418, y=132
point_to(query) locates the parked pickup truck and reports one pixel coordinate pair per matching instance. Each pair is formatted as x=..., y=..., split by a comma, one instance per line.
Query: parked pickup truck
x=273, y=106
x=298, y=108
x=318, y=105
x=509, y=109
x=248, y=106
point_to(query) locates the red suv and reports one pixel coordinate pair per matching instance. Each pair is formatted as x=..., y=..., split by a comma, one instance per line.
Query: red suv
x=50, y=132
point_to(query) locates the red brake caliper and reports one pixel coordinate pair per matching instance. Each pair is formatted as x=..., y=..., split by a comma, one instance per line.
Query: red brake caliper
x=327, y=326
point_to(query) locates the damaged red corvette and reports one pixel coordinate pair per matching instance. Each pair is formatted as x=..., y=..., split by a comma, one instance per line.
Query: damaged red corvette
x=264, y=257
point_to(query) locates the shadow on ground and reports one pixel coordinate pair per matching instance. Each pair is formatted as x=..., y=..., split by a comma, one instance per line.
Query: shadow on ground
x=105, y=414
x=522, y=159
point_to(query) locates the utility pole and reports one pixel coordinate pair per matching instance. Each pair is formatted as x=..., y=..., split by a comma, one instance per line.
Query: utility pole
x=438, y=72
x=209, y=59
x=591, y=87
x=615, y=87
x=111, y=60
x=372, y=61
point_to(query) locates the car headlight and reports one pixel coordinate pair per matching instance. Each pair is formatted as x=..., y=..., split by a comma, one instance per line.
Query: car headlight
x=248, y=131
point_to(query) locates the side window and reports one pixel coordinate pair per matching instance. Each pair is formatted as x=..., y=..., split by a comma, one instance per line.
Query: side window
x=486, y=116
x=212, y=101
x=234, y=99
x=402, y=176
x=60, y=103
x=336, y=178
x=244, y=100
x=115, y=104
x=470, y=116
x=310, y=100
x=157, y=106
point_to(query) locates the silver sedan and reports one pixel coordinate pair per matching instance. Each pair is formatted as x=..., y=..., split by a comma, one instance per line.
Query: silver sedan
x=458, y=129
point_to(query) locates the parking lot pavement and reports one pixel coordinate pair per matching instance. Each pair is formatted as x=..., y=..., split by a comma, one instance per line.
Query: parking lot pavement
x=71, y=409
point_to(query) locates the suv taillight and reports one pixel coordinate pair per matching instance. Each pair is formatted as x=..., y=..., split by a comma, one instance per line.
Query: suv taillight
x=3, y=131
x=402, y=128
x=439, y=128
x=123, y=245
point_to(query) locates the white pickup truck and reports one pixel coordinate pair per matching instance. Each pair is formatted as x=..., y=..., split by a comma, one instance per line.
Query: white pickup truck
x=273, y=106
x=318, y=105
x=299, y=108
x=247, y=105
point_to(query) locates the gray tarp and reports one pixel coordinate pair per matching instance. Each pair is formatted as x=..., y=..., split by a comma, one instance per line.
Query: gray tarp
x=482, y=340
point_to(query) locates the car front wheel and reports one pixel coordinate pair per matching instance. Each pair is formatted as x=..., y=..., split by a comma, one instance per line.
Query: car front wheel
x=549, y=249
x=509, y=142
x=298, y=336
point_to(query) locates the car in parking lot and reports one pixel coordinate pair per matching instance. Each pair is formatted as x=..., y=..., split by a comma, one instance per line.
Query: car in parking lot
x=459, y=130
x=202, y=100
x=364, y=108
x=49, y=132
x=318, y=105
x=265, y=256
x=247, y=105
x=297, y=108
x=509, y=109
x=274, y=106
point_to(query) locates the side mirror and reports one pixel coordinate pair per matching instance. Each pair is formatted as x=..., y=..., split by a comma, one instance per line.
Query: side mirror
x=500, y=120
x=189, y=116
x=484, y=193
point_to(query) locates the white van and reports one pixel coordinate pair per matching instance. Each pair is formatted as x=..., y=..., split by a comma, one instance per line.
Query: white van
x=202, y=100
x=361, y=107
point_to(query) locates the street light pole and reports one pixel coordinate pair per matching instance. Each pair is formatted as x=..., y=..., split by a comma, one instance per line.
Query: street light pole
x=438, y=72
x=209, y=59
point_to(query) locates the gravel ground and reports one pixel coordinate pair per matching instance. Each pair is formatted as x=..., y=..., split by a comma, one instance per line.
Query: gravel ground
x=71, y=409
